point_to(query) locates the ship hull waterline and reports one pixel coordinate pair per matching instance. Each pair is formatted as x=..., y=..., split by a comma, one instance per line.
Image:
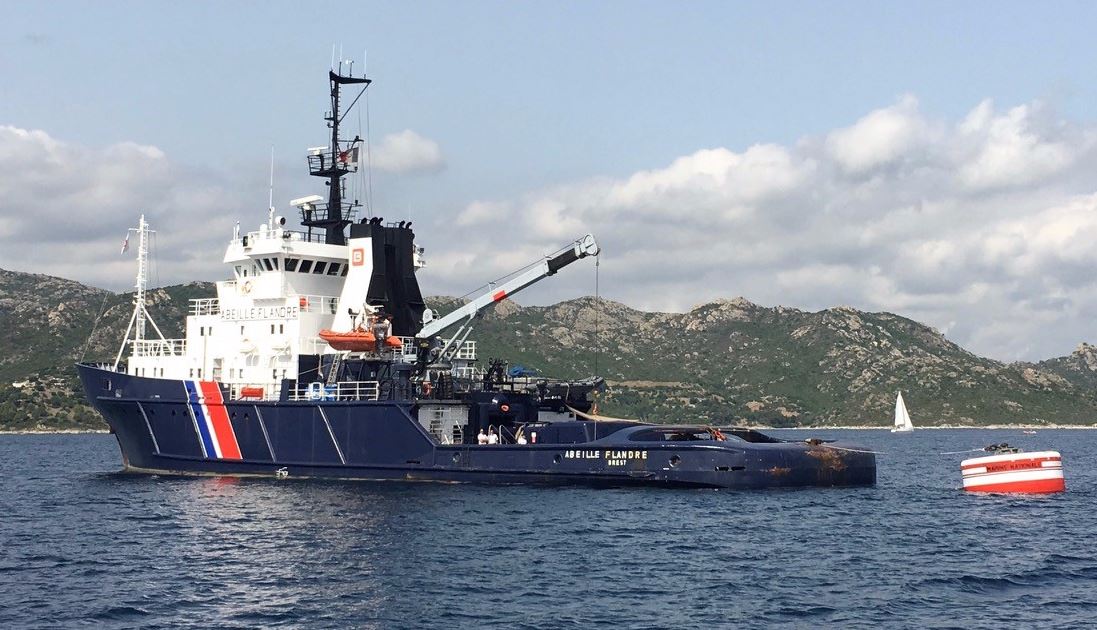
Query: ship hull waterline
x=159, y=432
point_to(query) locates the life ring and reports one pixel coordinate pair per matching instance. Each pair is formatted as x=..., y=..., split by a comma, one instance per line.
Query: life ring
x=246, y=287
x=426, y=388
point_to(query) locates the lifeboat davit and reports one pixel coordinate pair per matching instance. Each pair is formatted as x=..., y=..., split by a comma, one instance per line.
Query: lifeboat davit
x=358, y=340
x=1010, y=470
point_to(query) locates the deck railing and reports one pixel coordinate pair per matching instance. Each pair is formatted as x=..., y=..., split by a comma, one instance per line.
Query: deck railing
x=280, y=235
x=467, y=352
x=317, y=303
x=328, y=304
x=205, y=306
x=159, y=347
x=345, y=390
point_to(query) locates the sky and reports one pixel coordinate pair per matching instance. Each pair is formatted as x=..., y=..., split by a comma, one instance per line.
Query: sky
x=934, y=159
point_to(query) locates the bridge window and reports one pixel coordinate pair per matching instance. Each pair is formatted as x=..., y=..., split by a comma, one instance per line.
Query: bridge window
x=334, y=269
x=266, y=263
x=291, y=264
x=274, y=261
x=321, y=266
x=306, y=266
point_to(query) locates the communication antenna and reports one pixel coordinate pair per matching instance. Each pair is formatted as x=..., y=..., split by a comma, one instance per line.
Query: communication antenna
x=270, y=201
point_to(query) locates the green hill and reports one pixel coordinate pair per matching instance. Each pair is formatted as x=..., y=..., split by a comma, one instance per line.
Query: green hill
x=726, y=361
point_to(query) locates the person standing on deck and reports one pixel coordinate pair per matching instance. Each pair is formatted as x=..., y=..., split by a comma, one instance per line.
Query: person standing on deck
x=382, y=328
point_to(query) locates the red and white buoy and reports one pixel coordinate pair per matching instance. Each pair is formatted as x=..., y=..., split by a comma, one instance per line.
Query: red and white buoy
x=1005, y=471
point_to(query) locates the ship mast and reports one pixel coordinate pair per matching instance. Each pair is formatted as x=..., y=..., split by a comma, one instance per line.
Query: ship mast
x=340, y=159
x=140, y=314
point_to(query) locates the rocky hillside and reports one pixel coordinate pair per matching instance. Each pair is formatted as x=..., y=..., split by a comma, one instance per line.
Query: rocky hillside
x=47, y=324
x=1080, y=368
x=724, y=361
x=734, y=360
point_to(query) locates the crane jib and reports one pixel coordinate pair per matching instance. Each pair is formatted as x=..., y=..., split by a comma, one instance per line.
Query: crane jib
x=581, y=248
x=562, y=260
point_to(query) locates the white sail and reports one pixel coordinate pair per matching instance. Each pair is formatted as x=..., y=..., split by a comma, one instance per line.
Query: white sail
x=902, y=418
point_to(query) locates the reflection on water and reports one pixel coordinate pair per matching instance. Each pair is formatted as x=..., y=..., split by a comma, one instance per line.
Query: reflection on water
x=85, y=544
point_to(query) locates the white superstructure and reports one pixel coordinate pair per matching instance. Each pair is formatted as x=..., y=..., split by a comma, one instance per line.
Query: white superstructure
x=285, y=288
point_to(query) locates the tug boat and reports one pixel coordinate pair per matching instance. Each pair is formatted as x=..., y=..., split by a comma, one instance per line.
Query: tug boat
x=1009, y=470
x=275, y=376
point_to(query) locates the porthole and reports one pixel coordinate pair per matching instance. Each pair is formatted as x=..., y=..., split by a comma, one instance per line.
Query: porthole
x=456, y=457
x=556, y=458
x=674, y=461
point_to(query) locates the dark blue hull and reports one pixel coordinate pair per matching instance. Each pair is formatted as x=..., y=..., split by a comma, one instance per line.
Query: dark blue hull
x=159, y=430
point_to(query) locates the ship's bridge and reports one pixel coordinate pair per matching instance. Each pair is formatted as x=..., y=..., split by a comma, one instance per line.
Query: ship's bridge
x=270, y=263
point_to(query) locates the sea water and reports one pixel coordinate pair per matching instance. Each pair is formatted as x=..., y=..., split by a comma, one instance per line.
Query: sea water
x=81, y=544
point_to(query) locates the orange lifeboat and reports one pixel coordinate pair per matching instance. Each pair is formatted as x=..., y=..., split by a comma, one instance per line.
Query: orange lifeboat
x=357, y=340
x=251, y=392
x=394, y=342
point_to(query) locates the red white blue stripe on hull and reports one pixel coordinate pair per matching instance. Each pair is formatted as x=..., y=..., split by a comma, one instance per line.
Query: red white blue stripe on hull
x=207, y=405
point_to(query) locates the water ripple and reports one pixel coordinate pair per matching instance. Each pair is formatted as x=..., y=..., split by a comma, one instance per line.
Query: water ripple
x=85, y=546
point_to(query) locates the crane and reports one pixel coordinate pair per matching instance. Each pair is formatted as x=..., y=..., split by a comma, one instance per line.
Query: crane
x=581, y=248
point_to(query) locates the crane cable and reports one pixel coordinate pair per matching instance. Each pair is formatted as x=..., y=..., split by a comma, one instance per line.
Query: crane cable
x=597, y=312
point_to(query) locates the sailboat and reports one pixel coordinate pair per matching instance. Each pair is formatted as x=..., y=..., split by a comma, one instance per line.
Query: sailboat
x=902, y=418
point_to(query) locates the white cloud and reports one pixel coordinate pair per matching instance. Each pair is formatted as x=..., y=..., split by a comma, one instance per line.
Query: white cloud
x=1018, y=148
x=984, y=227
x=407, y=152
x=65, y=208
x=479, y=212
x=880, y=138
